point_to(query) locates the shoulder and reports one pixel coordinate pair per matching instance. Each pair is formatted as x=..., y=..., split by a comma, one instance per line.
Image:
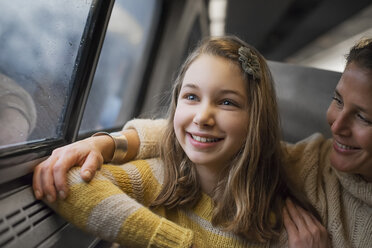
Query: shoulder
x=314, y=139
x=307, y=159
x=313, y=147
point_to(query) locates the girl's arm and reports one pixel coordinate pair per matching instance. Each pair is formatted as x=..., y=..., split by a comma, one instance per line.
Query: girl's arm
x=49, y=178
x=149, y=135
x=112, y=206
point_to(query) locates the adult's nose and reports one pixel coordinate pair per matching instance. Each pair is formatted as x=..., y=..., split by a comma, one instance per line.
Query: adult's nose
x=341, y=124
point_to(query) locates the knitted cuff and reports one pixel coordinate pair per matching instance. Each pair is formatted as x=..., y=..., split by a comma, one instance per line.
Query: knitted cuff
x=171, y=235
x=149, y=133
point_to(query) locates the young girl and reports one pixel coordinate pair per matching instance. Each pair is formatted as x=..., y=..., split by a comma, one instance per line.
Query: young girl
x=219, y=180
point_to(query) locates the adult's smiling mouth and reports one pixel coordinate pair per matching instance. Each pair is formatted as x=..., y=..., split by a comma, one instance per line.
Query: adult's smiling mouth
x=344, y=147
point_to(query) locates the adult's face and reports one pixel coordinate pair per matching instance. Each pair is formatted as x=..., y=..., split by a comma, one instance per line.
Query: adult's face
x=350, y=118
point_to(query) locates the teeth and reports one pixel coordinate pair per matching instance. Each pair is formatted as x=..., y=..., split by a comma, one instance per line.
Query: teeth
x=345, y=147
x=203, y=139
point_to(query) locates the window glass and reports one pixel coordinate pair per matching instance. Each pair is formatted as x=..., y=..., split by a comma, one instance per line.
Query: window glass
x=121, y=65
x=39, y=42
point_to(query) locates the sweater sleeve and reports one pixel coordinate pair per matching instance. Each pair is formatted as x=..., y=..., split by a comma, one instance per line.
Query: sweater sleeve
x=113, y=207
x=149, y=133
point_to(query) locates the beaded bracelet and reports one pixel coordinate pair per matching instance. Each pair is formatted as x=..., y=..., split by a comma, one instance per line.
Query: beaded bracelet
x=121, y=146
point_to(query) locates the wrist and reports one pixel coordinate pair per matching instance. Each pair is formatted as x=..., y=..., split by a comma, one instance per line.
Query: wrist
x=133, y=144
x=102, y=144
x=114, y=146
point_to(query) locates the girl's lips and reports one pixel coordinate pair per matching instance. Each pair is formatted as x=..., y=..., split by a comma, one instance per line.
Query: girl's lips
x=202, y=142
x=204, y=139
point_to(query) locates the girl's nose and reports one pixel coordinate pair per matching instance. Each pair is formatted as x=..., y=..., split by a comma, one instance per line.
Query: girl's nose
x=204, y=116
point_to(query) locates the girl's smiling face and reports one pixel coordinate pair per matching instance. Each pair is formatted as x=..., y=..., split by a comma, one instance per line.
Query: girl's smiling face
x=350, y=118
x=211, y=117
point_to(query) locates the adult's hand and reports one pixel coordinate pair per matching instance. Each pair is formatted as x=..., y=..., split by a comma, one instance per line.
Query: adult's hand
x=303, y=229
x=50, y=175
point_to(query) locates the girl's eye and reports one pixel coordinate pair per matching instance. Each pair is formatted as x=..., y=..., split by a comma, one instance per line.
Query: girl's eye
x=228, y=102
x=191, y=97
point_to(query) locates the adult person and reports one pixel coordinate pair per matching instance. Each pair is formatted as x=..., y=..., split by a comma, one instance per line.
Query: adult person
x=336, y=174
x=219, y=181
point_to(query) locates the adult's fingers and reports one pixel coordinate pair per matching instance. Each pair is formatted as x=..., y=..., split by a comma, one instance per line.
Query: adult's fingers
x=307, y=217
x=295, y=215
x=318, y=232
x=310, y=232
x=313, y=225
x=289, y=225
x=317, y=222
x=298, y=233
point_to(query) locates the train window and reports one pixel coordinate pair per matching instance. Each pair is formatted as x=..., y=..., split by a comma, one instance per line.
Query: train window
x=39, y=45
x=121, y=65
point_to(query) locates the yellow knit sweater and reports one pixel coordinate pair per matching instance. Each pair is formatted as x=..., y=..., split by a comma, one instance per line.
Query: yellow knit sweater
x=114, y=206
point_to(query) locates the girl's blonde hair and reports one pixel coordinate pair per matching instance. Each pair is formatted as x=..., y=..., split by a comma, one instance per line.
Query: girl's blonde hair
x=251, y=191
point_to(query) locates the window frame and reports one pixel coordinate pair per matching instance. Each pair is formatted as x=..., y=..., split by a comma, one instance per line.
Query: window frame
x=19, y=160
x=150, y=55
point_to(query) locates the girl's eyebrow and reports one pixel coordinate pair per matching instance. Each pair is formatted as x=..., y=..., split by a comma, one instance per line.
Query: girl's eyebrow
x=222, y=92
x=190, y=85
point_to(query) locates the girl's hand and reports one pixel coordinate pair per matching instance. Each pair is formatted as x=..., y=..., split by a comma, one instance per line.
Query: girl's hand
x=303, y=229
x=50, y=175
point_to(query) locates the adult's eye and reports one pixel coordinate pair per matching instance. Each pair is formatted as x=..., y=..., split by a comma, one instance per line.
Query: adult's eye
x=337, y=100
x=365, y=120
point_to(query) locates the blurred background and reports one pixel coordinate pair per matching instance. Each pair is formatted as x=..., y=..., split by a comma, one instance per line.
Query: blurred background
x=314, y=33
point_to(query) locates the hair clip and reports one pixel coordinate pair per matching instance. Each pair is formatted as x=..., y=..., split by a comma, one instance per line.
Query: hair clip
x=250, y=62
